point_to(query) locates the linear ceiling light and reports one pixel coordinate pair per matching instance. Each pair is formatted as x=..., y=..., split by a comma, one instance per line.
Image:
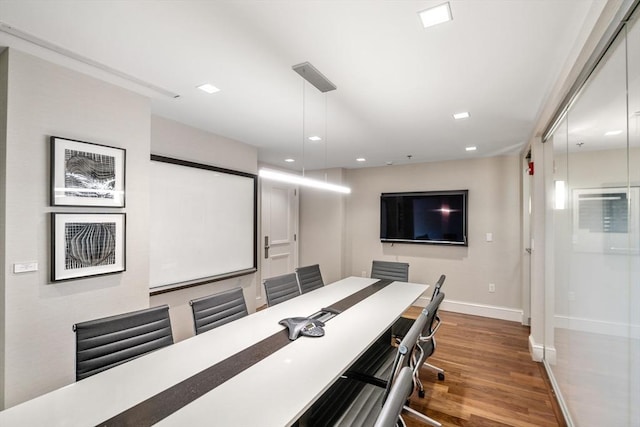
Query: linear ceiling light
x=436, y=15
x=472, y=148
x=301, y=180
x=462, y=115
x=315, y=138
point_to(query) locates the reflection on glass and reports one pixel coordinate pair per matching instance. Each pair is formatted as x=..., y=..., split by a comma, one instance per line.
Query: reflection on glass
x=561, y=195
x=592, y=334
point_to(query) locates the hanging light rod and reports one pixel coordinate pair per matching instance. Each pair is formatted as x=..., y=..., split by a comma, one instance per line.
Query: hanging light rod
x=315, y=77
x=301, y=180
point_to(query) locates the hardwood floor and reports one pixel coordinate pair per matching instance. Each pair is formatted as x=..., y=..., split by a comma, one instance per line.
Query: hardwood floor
x=490, y=379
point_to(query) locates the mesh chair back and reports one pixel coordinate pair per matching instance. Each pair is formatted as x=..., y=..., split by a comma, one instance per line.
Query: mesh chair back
x=281, y=288
x=390, y=270
x=104, y=343
x=309, y=278
x=393, y=405
x=215, y=310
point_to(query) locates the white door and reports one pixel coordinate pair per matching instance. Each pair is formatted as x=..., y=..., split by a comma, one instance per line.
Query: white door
x=526, y=240
x=279, y=245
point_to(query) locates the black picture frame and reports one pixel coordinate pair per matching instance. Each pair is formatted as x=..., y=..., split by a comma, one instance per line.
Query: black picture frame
x=86, y=174
x=87, y=244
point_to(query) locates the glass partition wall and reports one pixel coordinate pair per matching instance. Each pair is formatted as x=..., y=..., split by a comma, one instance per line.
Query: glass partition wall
x=592, y=340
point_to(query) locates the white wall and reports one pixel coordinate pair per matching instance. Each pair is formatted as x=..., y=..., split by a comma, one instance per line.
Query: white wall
x=173, y=139
x=44, y=100
x=494, y=207
x=322, y=217
x=4, y=69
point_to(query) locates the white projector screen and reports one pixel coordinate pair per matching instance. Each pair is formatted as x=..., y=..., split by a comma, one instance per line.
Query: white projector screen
x=203, y=223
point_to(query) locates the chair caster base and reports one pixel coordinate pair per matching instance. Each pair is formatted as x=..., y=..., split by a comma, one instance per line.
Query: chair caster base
x=421, y=393
x=440, y=376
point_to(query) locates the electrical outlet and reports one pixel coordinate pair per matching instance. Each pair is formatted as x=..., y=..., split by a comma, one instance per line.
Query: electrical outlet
x=492, y=287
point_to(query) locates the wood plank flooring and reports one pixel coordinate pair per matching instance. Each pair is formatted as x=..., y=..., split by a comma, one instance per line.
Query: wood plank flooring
x=490, y=379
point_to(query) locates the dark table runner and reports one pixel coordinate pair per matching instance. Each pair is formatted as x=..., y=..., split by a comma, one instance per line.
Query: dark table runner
x=165, y=403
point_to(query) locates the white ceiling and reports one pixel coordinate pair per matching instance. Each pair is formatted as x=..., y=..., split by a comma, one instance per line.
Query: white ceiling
x=398, y=83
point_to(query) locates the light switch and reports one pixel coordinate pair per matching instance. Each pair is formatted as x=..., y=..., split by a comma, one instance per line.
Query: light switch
x=24, y=267
x=489, y=237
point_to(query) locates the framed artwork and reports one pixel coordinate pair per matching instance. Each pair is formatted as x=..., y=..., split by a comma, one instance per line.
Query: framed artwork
x=606, y=220
x=87, y=244
x=86, y=174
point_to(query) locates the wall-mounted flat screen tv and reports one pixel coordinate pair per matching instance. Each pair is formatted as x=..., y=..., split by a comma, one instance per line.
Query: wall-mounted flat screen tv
x=432, y=217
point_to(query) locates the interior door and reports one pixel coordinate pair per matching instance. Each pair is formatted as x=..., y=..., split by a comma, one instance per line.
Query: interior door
x=279, y=245
x=527, y=177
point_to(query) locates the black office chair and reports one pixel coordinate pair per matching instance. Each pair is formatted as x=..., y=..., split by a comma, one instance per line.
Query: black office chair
x=309, y=278
x=428, y=341
x=422, y=331
x=111, y=341
x=402, y=388
x=215, y=310
x=438, y=286
x=281, y=288
x=402, y=325
x=436, y=291
x=391, y=270
x=357, y=398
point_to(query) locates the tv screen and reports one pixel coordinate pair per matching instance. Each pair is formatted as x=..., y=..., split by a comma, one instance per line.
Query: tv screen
x=435, y=217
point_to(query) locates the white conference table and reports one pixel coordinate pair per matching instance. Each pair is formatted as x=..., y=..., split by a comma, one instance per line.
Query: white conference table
x=276, y=391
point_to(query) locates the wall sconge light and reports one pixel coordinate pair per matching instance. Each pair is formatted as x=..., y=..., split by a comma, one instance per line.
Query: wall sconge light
x=560, y=195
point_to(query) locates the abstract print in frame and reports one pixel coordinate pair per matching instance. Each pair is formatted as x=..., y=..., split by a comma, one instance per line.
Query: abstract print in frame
x=86, y=174
x=87, y=244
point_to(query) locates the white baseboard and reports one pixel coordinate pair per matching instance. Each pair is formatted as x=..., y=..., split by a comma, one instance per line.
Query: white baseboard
x=559, y=397
x=491, y=311
x=550, y=355
x=536, y=350
x=594, y=326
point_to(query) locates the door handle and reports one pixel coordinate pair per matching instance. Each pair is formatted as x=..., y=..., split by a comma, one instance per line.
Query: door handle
x=266, y=247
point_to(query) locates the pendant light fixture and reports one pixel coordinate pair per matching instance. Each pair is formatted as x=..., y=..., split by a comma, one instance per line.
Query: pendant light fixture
x=310, y=74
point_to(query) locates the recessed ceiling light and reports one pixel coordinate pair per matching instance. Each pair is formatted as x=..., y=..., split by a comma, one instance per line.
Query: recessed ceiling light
x=361, y=159
x=462, y=115
x=472, y=148
x=209, y=88
x=435, y=15
x=613, y=132
x=289, y=160
x=315, y=138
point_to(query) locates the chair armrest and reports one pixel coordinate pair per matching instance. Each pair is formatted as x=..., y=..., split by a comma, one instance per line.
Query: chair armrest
x=433, y=332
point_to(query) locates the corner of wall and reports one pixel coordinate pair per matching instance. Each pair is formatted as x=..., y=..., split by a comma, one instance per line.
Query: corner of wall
x=535, y=350
x=4, y=68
